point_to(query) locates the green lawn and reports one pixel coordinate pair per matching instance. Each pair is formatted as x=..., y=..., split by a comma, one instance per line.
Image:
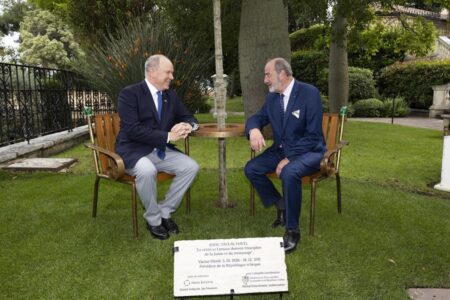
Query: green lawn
x=393, y=232
x=232, y=105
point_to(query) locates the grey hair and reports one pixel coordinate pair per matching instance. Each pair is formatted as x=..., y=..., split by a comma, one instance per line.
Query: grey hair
x=152, y=62
x=280, y=64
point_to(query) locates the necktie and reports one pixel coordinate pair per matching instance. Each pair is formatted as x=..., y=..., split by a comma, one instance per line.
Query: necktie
x=159, y=94
x=161, y=154
x=282, y=118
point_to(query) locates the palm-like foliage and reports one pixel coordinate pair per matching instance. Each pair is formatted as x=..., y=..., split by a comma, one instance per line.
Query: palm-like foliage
x=120, y=61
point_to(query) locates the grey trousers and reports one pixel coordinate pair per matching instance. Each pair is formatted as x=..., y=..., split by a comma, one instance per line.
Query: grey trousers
x=146, y=169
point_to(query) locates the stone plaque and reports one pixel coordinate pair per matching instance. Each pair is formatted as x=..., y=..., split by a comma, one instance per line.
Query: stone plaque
x=41, y=164
x=229, y=266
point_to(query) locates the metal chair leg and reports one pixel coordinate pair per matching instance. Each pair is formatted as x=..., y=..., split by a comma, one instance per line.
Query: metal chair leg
x=134, y=211
x=338, y=188
x=252, y=200
x=95, y=199
x=188, y=201
x=312, y=208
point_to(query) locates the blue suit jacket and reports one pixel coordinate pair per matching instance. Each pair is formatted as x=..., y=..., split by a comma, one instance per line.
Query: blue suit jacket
x=141, y=131
x=300, y=136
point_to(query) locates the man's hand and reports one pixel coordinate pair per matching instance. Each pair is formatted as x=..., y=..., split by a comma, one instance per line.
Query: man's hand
x=257, y=141
x=281, y=165
x=179, y=131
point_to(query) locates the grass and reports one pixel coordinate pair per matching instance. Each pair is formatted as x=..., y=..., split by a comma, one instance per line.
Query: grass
x=393, y=233
x=233, y=104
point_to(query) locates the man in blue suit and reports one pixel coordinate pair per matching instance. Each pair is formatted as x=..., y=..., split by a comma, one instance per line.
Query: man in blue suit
x=152, y=116
x=294, y=110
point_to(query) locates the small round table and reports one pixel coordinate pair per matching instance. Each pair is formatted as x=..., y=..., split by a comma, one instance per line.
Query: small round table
x=210, y=130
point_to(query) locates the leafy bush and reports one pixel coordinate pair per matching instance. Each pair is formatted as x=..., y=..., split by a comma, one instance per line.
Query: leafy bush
x=307, y=65
x=414, y=80
x=361, y=83
x=314, y=37
x=401, y=108
x=120, y=61
x=368, y=108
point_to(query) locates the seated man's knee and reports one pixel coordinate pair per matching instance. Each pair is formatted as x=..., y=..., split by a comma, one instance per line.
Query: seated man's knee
x=191, y=166
x=147, y=170
x=288, y=174
x=249, y=169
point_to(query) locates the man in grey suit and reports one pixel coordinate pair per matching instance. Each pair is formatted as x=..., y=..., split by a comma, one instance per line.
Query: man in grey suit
x=152, y=116
x=294, y=110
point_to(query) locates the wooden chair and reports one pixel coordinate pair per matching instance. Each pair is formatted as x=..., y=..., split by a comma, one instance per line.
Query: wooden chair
x=333, y=127
x=103, y=130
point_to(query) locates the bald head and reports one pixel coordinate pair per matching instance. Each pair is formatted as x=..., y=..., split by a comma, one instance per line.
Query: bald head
x=159, y=71
x=277, y=74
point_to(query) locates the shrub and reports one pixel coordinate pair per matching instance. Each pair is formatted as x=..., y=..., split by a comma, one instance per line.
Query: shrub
x=307, y=65
x=361, y=83
x=401, y=108
x=368, y=108
x=120, y=61
x=414, y=80
x=310, y=38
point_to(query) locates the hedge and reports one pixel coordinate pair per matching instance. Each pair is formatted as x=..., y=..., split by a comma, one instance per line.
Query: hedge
x=414, y=80
x=313, y=37
x=361, y=83
x=307, y=65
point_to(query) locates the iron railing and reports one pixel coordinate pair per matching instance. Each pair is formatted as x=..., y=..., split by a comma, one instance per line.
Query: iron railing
x=37, y=101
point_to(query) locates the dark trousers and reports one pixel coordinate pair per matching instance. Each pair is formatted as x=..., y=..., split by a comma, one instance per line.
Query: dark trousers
x=256, y=170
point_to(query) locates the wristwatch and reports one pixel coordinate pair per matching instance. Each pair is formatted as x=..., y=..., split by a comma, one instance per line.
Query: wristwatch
x=195, y=126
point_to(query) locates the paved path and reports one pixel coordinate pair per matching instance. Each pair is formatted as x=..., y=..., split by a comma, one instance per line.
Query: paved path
x=420, y=122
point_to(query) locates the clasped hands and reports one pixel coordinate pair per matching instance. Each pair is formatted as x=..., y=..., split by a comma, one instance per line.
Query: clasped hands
x=257, y=143
x=179, y=131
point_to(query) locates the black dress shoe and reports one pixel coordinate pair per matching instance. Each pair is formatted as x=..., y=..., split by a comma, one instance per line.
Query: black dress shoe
x=170, y=225
x=158, y=232
x=281, y=218
x=290, y=240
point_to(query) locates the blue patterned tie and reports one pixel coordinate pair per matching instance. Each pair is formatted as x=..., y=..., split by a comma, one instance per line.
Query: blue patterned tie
x=159, y=94
x=161, y=154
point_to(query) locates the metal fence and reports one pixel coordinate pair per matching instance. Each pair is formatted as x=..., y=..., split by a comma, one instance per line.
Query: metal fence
x=38, y=101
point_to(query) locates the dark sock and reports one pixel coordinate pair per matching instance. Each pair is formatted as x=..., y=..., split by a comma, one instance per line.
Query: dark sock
x=280, y=204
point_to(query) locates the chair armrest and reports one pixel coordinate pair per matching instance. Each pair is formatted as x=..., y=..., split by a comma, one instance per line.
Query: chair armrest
x=326, y=166
x=117, y=170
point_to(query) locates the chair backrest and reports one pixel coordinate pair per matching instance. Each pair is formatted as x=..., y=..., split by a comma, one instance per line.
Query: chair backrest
x=333, y=127
x=330, y=127
x=105, y=130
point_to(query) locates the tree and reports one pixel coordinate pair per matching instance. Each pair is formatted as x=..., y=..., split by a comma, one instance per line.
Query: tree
x=263, y=35
x=220, y=98
x=347, y=14
x=93, y=20
x=191, y=20
x=13, y=13
x=47, y=41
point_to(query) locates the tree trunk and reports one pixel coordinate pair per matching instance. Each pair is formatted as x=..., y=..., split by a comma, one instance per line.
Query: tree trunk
x=263, y=34
x=220, y=98
x=338, y=66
